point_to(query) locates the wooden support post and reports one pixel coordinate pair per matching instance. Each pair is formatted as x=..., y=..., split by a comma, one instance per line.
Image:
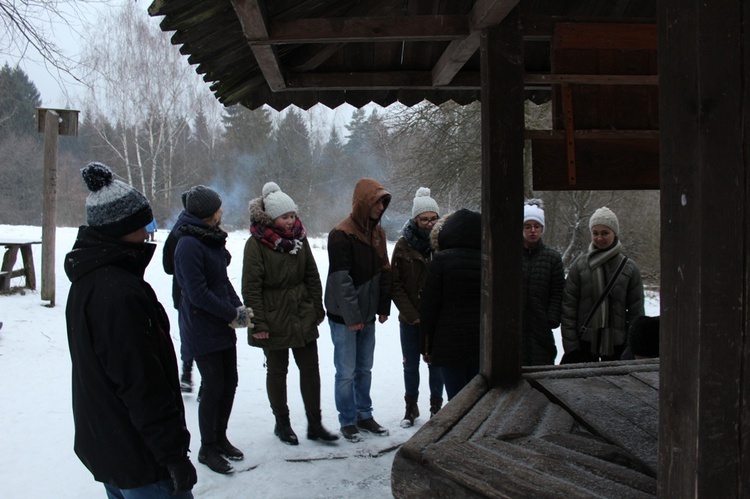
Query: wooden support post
x=502, y=200
x=49, y=216
x=53, y=123
x=704, y=102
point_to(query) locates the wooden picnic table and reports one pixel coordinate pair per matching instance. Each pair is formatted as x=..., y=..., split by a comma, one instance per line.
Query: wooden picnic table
x=12, y=245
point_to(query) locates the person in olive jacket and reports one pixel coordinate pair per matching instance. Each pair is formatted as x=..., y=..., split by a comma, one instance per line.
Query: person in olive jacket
x=543, y=288
x=130, y=429
x=409, y=262
x=449, y=314
x=281, y=283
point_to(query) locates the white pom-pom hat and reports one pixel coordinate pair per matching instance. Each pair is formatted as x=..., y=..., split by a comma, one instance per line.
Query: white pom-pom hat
x=276, y=202
x=423, y=203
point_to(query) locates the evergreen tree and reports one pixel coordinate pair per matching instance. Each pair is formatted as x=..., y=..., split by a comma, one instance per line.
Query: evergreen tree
x=247, y=132
x=19, y=99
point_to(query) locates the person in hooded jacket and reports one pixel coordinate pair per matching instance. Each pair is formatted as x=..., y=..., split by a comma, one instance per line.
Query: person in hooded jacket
x=411, y=256
x=129, y=418
x=281, y=283
x=357, y=289
x=209, y=311
x=167, y=260
x=449, y=313
x=543, y=288
x=605, y=337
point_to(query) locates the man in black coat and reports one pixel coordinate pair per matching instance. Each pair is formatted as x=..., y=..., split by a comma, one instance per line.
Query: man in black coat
x=130, y=429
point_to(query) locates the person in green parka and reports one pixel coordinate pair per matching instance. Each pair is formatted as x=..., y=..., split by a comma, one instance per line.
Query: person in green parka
x=280, y=281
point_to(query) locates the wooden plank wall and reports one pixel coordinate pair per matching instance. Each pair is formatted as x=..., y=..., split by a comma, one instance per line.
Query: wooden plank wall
x=704, y=432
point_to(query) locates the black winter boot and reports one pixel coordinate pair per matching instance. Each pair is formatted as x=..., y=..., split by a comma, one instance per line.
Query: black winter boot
x=436, y=403
x=228, y=450
x=283, y=430
x=211, y=457
x=412, y=412
x=316, y=431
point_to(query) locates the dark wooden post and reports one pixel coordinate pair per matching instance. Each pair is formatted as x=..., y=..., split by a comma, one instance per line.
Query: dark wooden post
x=704, y=104
x=502, y=200
x=51, y=122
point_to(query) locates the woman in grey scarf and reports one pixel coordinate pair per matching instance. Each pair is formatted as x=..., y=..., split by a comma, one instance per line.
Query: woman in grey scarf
x=604, y=337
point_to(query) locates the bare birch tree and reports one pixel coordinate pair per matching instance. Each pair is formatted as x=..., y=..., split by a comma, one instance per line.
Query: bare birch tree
x=139, y=83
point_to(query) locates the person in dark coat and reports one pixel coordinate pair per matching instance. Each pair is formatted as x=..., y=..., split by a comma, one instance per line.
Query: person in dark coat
x=130, y=429
x=449, y=314
x=209, y=311
x=357, y=289
x=410, y=259
x=186, y=380
x=606, y=335
x=281, y=283
x=543, y=288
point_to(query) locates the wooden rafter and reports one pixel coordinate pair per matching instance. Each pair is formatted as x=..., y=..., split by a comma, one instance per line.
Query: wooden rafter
x=253, y=21
x=485, y=13
x=366, y=29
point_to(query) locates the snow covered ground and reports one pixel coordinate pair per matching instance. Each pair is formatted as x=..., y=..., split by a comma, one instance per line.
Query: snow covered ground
x=36, y=441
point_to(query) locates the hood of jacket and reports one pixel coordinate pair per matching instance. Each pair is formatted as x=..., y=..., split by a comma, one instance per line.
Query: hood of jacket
x=367, y=192
x=257, y=210
x=93, y=250
x=460, y=229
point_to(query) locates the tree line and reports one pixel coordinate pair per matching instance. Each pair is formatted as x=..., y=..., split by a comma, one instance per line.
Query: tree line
x=150, y=117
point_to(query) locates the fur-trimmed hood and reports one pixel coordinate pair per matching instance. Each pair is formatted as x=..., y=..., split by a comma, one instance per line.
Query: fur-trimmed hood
x=459, y=229
x=257, y=211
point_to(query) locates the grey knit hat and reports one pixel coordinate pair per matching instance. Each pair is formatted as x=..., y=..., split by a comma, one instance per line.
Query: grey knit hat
x=201, y=201
x=276, y=202
x=605, y=216
x=113, y=207
x=423, y=203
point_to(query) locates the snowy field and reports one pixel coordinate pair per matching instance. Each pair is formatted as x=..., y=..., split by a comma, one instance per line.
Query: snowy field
x=37, y=458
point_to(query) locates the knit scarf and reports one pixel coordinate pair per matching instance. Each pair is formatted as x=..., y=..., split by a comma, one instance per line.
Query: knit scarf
x=278, y=239
x=417, y=238
x=211, y=236
x=600, y=321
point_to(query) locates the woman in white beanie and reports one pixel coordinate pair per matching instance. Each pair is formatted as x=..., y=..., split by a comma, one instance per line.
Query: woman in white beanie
x=592, y=334
x=281, y=280
x=411, y=256
x=543, y=287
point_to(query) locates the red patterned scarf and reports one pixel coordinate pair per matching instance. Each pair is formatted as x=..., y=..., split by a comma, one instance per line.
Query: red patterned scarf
x=279, y=240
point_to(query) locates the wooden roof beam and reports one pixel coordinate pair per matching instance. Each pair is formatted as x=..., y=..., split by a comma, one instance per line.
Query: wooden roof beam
x=485, y=13
x=465, y=80
x=365, y=29
x=253, y=21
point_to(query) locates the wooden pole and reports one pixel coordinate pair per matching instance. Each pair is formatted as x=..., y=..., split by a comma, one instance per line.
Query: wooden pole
x=704, y=96
x=49, y=216
x=502, y=200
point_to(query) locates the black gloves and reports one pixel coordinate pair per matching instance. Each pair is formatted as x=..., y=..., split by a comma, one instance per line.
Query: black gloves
x=183, y=475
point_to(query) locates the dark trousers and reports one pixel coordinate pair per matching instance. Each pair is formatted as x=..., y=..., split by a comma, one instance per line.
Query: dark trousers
x=277, y=367
x=219, y=382
x=410, y=351
x=455, y=378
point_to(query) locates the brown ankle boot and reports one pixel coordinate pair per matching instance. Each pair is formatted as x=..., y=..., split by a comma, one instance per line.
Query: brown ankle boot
x=436, y=403
x=412, y=412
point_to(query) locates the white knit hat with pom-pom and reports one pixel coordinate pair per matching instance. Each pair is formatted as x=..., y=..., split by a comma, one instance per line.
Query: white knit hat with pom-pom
x=423, y=203
x=533, y=211
x=276, y=202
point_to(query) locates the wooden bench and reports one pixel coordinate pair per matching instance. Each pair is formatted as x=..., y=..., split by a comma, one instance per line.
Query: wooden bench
x=9, y=260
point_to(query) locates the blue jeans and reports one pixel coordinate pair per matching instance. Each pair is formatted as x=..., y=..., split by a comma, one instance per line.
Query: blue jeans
x=158, y=490
x=456, y=378
x=353, y=354
x=410, y=351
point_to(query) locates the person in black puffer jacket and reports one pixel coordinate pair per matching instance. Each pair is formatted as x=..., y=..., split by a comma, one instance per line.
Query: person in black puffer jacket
x=543, y=288
x=449, y=311
x=130, y=429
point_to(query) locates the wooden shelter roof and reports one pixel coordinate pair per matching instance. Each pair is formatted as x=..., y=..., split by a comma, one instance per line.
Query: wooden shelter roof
x=302, y=52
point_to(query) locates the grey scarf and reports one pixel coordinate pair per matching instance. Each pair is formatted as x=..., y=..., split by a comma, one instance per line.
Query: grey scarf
x=601, y=319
